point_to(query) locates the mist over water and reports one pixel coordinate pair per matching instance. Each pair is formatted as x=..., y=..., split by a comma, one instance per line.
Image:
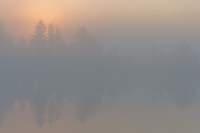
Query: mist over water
x=45, y=72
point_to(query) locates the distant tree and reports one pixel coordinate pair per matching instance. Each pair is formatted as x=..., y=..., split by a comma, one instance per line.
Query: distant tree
x=3, y=33
x=51, y=35
x=84, y=38
x=55, y=38
x=6, y=42
x=23, y=45
x=87, y=44
x=23, y=42
x=184, y=56
x=58, y=39
x=39, y=39
x=183, y=74
x=154, y=55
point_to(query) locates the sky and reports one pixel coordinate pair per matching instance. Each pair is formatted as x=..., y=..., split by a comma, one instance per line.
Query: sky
x=133, y=27
x=160, y=17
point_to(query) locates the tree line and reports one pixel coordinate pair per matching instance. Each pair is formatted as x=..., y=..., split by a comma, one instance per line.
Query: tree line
x=46, y=72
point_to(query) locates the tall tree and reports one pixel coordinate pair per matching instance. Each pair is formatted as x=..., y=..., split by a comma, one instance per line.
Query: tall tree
x=87, y=44
x=58, y=39
x=6, y=41
x=2, y=31
x=51, y=35
x=39, y=38
x=154, y=55
x=23, y=42
x=84, y=37
x=3, y=36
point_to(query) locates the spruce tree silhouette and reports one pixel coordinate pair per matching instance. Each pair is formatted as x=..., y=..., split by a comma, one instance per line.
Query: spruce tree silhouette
x=88, y=46
x=58, y=39
x=2, y=37
x=22, y=41
x=5, y=41
x=39, y=40
x=2, y=31
x=55, y=39
x=51, y=36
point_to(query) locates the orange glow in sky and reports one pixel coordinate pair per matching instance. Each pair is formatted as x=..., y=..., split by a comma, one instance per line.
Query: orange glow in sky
x=21, y=16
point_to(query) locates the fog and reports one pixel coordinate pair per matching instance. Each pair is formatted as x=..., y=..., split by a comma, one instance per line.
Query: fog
x=89, y=74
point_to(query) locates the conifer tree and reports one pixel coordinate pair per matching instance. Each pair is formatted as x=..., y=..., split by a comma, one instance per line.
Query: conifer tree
x=87, y=44
x=51, y=35
x=6, y=41
x=39, y=39
x=58, y=39
x=23, y=42
x=2, y=31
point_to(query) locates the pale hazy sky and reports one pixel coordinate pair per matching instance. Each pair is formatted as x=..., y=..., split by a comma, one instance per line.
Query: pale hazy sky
x=21, y=16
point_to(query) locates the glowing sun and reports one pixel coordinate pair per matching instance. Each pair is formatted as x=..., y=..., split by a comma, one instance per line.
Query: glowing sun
x=47, y=13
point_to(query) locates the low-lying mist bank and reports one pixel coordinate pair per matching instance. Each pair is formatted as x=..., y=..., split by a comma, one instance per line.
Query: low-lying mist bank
x=46, y=72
